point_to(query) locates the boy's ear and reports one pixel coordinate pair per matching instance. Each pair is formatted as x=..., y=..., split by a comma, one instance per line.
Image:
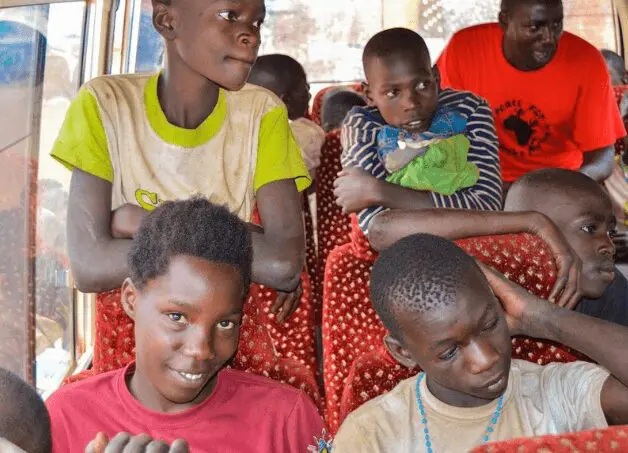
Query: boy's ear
x=129, y=296
x=367, y=94
x=503, y=20
x=163, y=20
x=398, y=352
x=436, y=74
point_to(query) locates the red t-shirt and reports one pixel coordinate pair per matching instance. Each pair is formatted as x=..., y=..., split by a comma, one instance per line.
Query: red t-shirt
x=544, y=118
x=244, y=414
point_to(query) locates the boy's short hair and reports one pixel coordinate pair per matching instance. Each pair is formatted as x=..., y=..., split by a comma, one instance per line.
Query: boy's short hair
x=337, y=105
x=615, y=63
x=24, y=420
x=193, y=227
x=395, y=43
x=417, y=274
x=526, y=193
x=275, y=72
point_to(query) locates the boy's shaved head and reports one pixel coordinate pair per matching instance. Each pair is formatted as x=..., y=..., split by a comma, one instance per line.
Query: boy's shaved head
x=336, y=105
x=24, y=420
x=582, y=211
x=417, y=274
x=616, y=67
x=284, y=76
x=526, y=194
x=395, y=43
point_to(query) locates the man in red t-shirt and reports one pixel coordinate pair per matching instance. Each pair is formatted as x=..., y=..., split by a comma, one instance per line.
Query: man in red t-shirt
x=550, y=91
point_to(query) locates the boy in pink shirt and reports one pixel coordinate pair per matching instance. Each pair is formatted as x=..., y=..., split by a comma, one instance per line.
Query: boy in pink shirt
x=190, y=268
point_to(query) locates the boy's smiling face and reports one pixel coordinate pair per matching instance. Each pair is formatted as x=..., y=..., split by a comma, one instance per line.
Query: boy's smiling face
x=464, y=349
x=404, y=90
x=218, y=39
x=187, y=325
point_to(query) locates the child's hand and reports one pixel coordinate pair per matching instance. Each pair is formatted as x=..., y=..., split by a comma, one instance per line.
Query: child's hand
x=355, y=190
x=287, y=303
x=568, y=263
x=520, y=306
x=125, y=221
x=142, y=443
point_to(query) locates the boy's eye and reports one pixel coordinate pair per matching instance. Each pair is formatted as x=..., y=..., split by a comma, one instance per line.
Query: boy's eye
x=422, y=85
x=391, y=94
x=491, y=326
x=228, y=15
x=589, y=229
x=179, y=318
x=449, y=354
x=226, y=325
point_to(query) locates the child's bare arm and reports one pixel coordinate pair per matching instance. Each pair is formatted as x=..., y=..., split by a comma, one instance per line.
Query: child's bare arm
x=279, y=250
x=98, y=260
x=602, y=341
x=599, y=164
x=391, y=226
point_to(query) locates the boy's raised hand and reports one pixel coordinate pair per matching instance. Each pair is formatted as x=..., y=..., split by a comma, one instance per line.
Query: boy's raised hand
x=126, y=443
x=568, y=263
x=519, y=305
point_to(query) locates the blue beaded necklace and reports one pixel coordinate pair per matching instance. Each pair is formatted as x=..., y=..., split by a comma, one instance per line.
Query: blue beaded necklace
x=426, y=431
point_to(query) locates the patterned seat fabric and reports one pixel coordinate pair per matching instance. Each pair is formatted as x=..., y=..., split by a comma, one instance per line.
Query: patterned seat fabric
x=610, y=440
x=333, y=227
x=357, y=366
x=317, y=104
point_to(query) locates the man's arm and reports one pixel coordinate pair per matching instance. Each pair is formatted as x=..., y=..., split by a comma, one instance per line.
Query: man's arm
x=279, y=250
x=98, y=261
x=599, y=164
x=602, y=341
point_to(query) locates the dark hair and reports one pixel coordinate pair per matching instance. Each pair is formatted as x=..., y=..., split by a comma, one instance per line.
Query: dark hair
x=507, y=6
x=395, y=43
x=615, y=63
x=193, y=227
x=336, y=106
x=276, y=72
x=417, y=274
x=24, y=420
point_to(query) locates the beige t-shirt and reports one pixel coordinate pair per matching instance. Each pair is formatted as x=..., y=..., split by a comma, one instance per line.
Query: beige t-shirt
x=551, y=399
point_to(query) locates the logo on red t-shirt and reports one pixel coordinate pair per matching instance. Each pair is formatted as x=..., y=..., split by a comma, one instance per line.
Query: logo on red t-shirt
x=526, y=126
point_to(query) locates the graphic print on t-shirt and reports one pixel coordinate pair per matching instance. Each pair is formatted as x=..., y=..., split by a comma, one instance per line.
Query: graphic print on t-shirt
x=525, y=124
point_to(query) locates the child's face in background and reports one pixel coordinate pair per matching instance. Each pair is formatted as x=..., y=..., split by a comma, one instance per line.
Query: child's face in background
x=404, y=90
x=187, y=325
x=218, y=39
x=297, y=100
x=588, y=223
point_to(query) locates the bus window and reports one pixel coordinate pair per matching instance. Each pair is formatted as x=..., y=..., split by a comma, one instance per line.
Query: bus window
x=41, y=52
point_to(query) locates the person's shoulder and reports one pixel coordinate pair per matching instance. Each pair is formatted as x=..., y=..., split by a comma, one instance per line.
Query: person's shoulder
x=386, y=406
x=455, y=98
x=260, y=389
x=477, y=33
x=532, y=376
x=108, y=82
x=579, y=51
x=363, y=116
x=100, y=386
x=254, y=95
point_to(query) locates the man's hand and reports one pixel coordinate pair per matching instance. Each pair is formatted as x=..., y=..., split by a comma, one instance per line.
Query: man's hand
x=126, y=220
x=287, y=303
x=142, y=443
x=568, y=263
x=520, y=306
x=355, y=190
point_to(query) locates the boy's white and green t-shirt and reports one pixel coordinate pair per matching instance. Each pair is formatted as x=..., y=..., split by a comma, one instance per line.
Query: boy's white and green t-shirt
x=116, y=130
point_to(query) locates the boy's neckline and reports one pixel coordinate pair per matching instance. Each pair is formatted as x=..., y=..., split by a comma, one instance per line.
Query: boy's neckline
x=466, y=413
x=179, y=136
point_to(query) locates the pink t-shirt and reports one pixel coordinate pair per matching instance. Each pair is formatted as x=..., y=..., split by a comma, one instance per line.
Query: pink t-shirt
x=245, y=413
